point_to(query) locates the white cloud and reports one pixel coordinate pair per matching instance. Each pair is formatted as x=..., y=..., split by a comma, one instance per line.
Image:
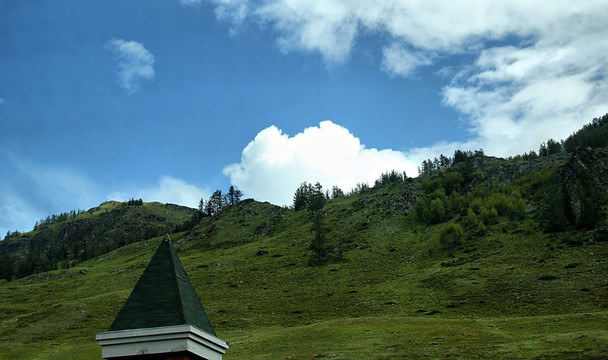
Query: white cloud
x=316, y=25
x=167, y=190
x=274, y=164
x=331, y=27
x=400, y=61
x=190, y=2
x=538, y=67
x=235, y=11
x=2, y=101
x=525, y=95
x=136, y=63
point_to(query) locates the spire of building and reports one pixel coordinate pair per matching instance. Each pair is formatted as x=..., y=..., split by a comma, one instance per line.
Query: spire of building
x=163, y=299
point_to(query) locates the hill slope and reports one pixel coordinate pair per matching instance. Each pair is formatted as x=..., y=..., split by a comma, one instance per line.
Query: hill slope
x=65, y=242
x=392, y=285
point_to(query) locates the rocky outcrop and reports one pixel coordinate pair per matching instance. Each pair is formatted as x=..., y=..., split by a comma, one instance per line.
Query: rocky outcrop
x=584, y=182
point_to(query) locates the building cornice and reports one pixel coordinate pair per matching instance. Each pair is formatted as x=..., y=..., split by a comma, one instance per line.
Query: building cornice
x=161, y=340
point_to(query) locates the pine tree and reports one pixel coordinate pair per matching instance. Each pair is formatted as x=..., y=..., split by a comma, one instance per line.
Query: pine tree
x=233, y=196
x=444, y=161
x=301, y=196
x=318, y=244
x=336, y=192
x=316, y=198
x=216, y=203
x=201, y=206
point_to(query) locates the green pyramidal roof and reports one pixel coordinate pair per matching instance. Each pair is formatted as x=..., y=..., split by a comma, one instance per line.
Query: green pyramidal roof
x=163, y=296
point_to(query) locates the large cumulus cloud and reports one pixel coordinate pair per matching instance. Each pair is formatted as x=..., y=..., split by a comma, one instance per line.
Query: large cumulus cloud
x=274, y=164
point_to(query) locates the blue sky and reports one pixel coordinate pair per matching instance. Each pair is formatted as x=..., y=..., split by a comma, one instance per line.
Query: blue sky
x=170, y=100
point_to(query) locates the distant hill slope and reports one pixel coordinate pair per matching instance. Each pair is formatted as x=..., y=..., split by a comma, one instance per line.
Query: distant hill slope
x=89, y=234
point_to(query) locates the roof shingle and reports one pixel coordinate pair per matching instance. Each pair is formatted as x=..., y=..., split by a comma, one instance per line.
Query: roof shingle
x=163, y=296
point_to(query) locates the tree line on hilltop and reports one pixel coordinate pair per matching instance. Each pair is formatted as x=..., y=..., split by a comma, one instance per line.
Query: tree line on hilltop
x=592, y=135
x=218, y=202
x=313, y=197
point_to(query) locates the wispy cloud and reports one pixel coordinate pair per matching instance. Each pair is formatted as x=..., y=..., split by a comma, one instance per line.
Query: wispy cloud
x=274, y=164
x=514, y=95
x=15, y=214
x=167, y=190
x=30, y=191
x=233, y=11
x=190, y=2
x=3, y=101
x=399, y=61
x=136, y=63
x=537, y=68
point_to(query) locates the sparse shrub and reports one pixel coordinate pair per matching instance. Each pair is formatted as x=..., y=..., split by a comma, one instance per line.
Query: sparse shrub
x=436, y=210
x=451, y=236
x=476, y=205
x=432, y=208
x=552, y=214
x=476, y=226
x=430, y=186
x=471, y=218
x=489, y=215
x=318, y=244
x=453, y=182
x=602, y=226
x=499, y=202
x=480, y=228
x=458, y=203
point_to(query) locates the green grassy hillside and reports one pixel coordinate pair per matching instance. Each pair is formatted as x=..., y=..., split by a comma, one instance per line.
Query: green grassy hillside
x=391, y=286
